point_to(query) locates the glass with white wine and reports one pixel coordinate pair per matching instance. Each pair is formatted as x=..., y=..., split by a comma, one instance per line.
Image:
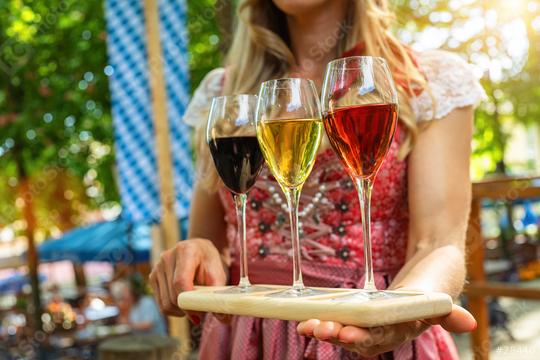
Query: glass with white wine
x=289, y=130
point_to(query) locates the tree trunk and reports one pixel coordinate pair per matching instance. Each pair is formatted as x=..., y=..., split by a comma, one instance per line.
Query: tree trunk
x=80, y=276
x=32, y=255
x=65, y=221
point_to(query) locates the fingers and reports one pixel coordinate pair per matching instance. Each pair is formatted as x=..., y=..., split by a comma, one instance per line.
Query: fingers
x=167, y=268
x=305, y=328
x=168, y=303
x=321, y=330
x=155, y=287
x=154, y=283
x=330, y=330
x=187, y=261
x=211, y=270
x=177, y=270
x=367, y=342
x=373, y=341
x=458, y=321
x=216, y=272
x=355, y=335
x=327, y=330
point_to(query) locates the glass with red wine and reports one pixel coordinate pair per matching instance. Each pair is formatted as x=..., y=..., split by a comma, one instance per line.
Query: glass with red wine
x=360, y=112
x=232, y=139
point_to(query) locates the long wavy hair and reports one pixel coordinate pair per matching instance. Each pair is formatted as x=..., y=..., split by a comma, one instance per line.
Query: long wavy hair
x=260, y=51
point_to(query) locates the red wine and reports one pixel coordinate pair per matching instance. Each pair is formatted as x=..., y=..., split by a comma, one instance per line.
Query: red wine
x=361, y=135
x=238, y=161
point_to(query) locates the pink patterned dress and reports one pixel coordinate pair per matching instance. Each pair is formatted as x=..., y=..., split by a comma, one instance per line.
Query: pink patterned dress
x=331, y=231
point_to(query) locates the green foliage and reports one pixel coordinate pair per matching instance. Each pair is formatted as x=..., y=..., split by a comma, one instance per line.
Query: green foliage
x=54, y=97
x=512, y=90
x=55, y=112
x=204, y=39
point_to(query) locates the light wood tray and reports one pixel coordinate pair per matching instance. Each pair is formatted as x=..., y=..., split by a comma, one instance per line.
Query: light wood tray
x=398, y=307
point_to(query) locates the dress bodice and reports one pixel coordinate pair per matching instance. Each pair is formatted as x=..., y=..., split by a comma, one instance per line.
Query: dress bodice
x=329, y=214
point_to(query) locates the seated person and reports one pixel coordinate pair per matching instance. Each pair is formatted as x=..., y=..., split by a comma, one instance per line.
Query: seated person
x=137, y=309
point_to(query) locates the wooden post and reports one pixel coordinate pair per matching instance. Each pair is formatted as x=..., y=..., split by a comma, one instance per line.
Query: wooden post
x=537, y=148
x=169, y=223
x=475, y=270
x=508, y=189
x=80, y=276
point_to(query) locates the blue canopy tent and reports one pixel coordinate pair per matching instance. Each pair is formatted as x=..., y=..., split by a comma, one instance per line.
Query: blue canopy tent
x=109, y=241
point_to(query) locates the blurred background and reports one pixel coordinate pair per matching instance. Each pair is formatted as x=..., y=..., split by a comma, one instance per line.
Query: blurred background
x=63, y=163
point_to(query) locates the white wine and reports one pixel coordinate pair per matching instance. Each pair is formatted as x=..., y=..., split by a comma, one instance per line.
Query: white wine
x=290, y=147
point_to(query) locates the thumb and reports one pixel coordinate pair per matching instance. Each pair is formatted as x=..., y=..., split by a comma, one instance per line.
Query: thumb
x=458, y=321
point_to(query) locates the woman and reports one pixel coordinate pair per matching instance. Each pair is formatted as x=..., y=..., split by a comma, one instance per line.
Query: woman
x=420, y=199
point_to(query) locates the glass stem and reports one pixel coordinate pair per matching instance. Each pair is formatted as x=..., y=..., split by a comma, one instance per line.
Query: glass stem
x=240, y=202
x=363, y=186
x=293, y=196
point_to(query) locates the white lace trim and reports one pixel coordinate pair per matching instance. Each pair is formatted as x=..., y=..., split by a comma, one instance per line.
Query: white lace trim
x=197, y=111
x=452, y=83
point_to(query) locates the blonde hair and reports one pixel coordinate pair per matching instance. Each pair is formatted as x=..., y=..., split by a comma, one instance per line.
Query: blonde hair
x=259, y=52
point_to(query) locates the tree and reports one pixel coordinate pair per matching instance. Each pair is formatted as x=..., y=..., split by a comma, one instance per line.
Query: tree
x=55, y=120
x=54, y=116
x=494, y=36
x=55, y=111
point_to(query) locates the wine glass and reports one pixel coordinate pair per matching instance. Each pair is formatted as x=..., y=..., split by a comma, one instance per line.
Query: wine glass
x=232, y=139
x=360, y=109
x=289, y=129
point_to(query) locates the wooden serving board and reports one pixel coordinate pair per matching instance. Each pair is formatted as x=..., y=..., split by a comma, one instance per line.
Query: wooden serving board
x=395, y=307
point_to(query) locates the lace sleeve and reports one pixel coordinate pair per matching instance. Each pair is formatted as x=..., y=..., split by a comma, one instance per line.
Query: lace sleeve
x=452, y=84
x=197, y=110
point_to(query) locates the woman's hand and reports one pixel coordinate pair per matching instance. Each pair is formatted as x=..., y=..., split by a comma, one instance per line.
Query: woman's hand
x=371, y=342
x=190, y=261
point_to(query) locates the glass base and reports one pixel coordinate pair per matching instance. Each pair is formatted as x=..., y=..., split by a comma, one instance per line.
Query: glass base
x=243, y=289
x=370, y=295
x=296, y=293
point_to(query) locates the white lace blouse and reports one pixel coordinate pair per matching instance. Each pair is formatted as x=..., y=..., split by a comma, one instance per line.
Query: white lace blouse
x=451, y=80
